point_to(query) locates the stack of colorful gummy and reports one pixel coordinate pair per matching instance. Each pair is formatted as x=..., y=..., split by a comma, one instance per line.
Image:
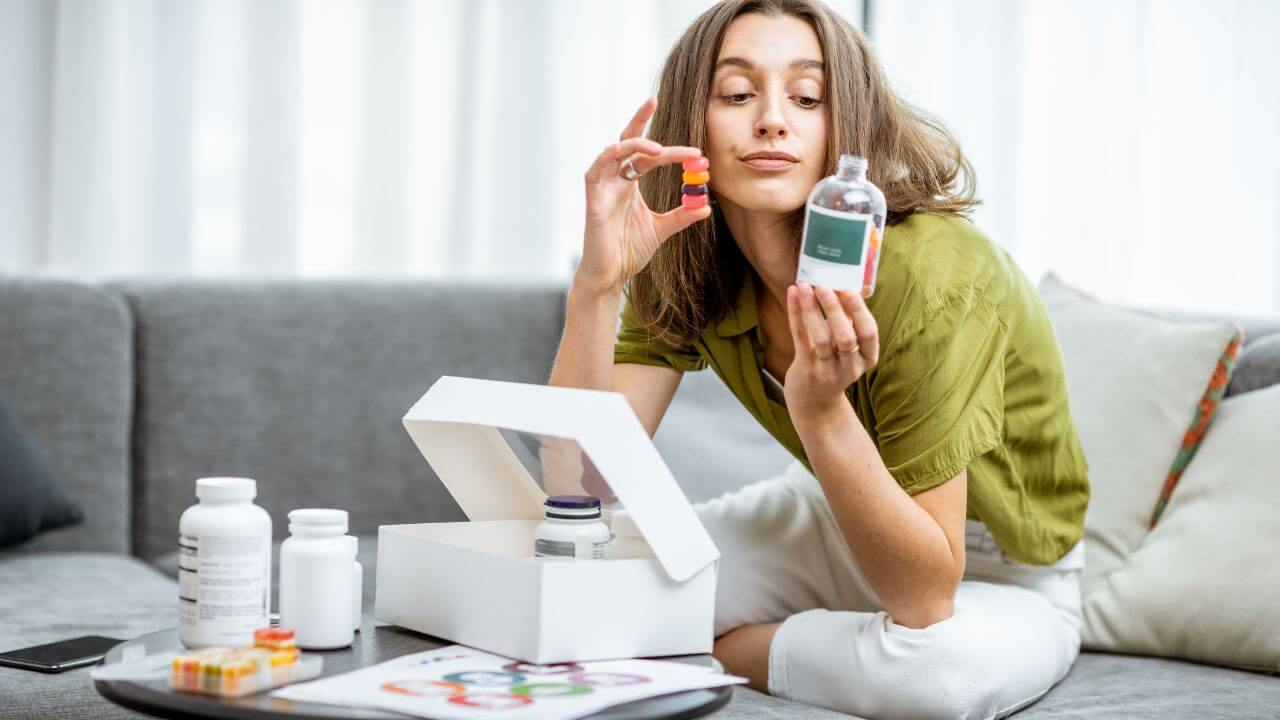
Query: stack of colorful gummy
x=233, y=672
x=693, y=194
x=281, y=643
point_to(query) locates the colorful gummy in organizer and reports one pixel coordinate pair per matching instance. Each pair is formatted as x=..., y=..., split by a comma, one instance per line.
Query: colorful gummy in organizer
x=237, y=671
x=279, y=642
x=693, y=194
x=274, y=638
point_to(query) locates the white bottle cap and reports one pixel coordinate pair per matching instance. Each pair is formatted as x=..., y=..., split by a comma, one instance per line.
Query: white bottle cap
x=318, y=521
x=226, y=488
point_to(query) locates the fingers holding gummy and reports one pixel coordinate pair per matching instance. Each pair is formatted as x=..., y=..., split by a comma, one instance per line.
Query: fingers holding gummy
x=664, y=155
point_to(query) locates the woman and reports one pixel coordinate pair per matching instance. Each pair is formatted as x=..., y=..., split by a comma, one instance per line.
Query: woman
x=921, y=558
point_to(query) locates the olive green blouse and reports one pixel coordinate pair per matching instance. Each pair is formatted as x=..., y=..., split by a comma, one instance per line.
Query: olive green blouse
x=970, y=375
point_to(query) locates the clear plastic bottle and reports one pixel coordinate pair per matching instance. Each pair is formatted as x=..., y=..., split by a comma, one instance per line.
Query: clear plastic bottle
x=224, y=564
x=843, y=226
x=572, y=528
x=316, y=579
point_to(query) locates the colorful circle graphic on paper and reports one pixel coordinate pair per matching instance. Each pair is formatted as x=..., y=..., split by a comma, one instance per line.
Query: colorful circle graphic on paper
x=492, y=700
x=607, y=679
x=543, y=690
x=549, y=669
x=485, y=677
x=424, y=688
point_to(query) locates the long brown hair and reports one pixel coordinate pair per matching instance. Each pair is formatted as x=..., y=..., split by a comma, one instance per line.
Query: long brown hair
x=696, y=274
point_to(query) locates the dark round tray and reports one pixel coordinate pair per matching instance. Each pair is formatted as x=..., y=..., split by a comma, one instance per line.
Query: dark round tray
x=374, y=644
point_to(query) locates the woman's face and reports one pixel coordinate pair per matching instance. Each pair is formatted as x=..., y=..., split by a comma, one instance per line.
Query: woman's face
x=767, y=96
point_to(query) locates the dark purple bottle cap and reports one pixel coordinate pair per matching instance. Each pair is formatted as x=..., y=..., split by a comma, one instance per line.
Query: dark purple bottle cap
x=576, y=502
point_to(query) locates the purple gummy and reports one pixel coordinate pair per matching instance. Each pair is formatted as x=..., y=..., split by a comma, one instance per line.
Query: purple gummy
x=693, y=189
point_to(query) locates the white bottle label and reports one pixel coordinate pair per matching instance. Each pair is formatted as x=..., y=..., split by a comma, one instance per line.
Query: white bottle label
x=222, y=587
x=836, y=237
x=594, y=549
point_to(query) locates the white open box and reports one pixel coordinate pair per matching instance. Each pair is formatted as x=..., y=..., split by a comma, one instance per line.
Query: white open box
x=478, y=583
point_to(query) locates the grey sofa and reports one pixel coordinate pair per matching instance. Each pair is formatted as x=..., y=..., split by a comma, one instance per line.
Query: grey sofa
x=134, y=389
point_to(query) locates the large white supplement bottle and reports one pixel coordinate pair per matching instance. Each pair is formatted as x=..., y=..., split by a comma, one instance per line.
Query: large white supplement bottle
x=224, y=564
x=316, y=579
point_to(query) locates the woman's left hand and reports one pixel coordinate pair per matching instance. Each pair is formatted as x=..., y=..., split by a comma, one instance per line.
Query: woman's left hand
x=831, y=352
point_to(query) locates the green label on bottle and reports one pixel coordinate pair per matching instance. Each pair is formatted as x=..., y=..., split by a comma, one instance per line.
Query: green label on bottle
x=835, y=236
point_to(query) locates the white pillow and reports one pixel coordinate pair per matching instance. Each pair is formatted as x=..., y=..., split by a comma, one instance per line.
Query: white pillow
x=1205, y=584
x=1133, y=381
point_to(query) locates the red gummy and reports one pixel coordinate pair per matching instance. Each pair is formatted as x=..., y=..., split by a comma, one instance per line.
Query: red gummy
x=693, y=202
x=696, y=164
x=273, y=633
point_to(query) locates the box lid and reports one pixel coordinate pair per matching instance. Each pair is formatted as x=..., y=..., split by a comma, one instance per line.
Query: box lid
x=456, y=427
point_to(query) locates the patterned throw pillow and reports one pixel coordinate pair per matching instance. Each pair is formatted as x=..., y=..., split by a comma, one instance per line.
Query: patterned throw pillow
x=1204, y=413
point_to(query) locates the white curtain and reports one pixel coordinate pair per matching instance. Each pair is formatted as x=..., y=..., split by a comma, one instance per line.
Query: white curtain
x=1131, y=146
x=310, y=138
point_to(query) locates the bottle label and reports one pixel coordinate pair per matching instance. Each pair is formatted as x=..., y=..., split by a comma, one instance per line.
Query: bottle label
x=553, y=548
x=836, y=237
x=564, y=548
x=222, y=587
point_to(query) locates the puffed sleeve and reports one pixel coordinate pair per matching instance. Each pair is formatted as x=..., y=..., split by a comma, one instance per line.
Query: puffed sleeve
x=635, y=344
x=938, y=392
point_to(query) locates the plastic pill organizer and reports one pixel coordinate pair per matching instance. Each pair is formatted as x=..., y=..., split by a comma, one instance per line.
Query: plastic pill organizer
x=272, y=661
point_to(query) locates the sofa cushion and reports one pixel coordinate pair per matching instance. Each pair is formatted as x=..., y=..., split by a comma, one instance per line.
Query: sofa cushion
x=1099, y=687
x=35, y=499
x=1136, y=382
x=711, y=443
x=302, y=385
x=1102, y=686
x=1258, y=366
x=66, y=369
x=48, y=597
x=1203, y=584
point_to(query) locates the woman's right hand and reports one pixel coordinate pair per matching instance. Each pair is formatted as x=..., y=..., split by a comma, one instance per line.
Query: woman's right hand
x=622, y=233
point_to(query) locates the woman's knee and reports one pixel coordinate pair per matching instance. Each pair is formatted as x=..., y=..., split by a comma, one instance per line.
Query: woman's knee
x=961, y=667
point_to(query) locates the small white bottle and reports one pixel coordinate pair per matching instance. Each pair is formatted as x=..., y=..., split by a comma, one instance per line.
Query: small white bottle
x=627, y=541
x=224, y=564
x=571, y=528
x=316, y=579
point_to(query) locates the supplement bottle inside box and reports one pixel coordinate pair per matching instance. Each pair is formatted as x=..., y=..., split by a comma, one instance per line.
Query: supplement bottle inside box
x=500, y=449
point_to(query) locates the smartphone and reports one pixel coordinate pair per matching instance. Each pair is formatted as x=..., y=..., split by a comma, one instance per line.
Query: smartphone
x=59, y=656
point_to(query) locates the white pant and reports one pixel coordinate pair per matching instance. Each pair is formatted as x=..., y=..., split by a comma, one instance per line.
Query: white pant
x=1015, y=631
